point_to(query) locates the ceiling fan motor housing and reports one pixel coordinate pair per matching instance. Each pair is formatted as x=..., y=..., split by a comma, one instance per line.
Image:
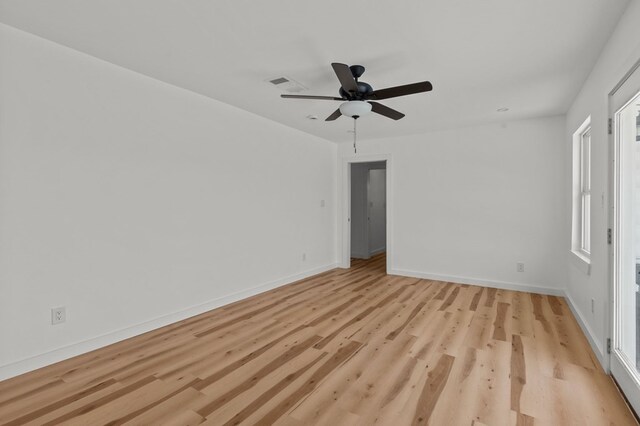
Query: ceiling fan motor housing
x=364, y=89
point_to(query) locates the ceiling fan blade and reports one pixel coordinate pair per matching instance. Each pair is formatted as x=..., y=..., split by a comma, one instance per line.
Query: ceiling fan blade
x=343, y=72
x=407, y=89
x=386, y=111
x=328, y=98
x=333, y=116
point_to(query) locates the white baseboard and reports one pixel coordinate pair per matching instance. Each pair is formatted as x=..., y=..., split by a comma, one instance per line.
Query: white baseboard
x=360, y=255
x=32, y=363
x=591, y=337
x=29, y=364
x=504, y=285
x=367, y=256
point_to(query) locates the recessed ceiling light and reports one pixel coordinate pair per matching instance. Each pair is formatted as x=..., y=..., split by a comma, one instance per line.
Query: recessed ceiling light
x=502, y=109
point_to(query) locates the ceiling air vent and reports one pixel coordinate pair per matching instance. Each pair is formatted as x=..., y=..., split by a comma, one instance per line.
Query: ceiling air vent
x=279, y=80
x=285, y=84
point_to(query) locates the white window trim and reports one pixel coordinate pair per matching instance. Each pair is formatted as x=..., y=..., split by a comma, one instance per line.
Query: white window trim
x=581, y=195
x=584, y=246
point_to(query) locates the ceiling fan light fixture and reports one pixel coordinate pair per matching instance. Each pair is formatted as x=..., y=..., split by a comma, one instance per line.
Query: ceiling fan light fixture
x=355, y=108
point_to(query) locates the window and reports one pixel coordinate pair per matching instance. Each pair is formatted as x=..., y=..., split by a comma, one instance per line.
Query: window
x=585, y=191
x=581, y=235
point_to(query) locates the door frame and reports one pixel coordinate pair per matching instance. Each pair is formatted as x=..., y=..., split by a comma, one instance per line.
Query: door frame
x=344, y=211
x=617, y=365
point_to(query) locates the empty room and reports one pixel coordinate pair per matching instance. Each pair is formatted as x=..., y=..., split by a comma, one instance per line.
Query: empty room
x=340, y=213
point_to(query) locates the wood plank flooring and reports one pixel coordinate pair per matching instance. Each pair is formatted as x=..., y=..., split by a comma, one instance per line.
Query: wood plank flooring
x=347, y=347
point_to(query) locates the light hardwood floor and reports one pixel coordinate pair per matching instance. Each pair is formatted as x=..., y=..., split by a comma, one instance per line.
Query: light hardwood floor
x=347, y=347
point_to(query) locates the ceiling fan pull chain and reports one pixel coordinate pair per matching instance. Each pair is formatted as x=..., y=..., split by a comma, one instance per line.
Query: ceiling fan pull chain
x=355, y=149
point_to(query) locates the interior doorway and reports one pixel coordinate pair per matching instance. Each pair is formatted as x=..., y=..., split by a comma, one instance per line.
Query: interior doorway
x=372, y=194
x=368, y=209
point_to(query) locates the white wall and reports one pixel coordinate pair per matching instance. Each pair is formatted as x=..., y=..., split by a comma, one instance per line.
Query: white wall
x=135, y=203
x=620, y=53
x=470, y=203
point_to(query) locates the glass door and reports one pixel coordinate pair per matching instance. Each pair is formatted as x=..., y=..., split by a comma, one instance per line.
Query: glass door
x=625, y=353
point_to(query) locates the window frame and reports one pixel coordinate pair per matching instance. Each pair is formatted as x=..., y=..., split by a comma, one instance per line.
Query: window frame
x=585, y=192
x=581, y=223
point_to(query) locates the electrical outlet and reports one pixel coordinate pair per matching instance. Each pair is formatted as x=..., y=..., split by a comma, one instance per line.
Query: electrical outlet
x=520, y=266
x=304, y=256
x=58, y=315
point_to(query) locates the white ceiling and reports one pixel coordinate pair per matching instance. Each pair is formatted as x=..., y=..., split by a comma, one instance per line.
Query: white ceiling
x=531, y=56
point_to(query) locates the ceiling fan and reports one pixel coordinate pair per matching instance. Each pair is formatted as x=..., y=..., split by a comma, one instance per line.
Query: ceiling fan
x=359, y=97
